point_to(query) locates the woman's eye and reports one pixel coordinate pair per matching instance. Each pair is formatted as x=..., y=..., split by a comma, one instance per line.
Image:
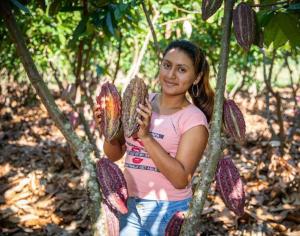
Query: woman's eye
x=181, y=70
x=166, y=65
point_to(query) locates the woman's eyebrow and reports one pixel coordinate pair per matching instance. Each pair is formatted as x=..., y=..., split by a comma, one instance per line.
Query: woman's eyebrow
x=177, y=64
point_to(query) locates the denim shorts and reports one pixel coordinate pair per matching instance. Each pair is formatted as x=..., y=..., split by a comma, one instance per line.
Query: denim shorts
x=149, y=217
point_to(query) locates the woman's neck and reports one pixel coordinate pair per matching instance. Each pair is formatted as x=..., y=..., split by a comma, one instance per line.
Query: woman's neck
x=172, y=102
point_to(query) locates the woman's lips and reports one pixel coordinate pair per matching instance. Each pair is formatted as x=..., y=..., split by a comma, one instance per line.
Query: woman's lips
x=137, y=160
x=170, y=83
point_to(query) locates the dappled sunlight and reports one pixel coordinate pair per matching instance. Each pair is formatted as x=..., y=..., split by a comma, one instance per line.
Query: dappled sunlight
x=42, y=191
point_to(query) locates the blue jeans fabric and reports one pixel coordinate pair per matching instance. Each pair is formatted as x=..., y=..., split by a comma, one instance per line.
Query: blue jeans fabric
x=149, y=217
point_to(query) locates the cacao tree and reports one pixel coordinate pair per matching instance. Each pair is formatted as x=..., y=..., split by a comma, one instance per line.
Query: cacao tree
x=97, y=41
x=192, y=223
x=82, y=149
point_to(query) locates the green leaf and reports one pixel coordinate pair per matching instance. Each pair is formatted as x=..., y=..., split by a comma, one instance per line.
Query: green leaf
x=109, y=23
x=264, y=17
x=80, y=29
x=117, y=13
x=166, y=8
x=20, y=6
x=99, y=70
x=289, y=24
x=274, y=34
x=281, y=28
x=280, y=39
x=293, y=7
x=270, y=31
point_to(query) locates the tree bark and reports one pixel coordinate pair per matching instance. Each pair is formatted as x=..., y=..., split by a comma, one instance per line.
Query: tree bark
x=192, y=225
x=83, y=150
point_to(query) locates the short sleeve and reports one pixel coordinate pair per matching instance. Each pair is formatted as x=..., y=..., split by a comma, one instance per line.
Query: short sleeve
x=152, y=96
x=191, y=118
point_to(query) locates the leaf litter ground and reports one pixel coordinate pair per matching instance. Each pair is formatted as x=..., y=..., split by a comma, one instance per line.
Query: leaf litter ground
x=41, y=190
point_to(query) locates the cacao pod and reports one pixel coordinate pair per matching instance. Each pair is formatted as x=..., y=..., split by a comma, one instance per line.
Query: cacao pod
x=174, y=226
x=113, y=185
x=209, y=7
x=110, y=102
x=135, y=93
x=112, y=221
x=230, y=185
x=234, y=120
x=244, y=25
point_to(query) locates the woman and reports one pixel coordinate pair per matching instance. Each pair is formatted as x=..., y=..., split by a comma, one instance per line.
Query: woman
x=171, y=139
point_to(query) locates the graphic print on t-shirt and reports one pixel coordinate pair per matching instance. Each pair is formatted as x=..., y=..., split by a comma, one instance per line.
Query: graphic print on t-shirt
x=138, y=154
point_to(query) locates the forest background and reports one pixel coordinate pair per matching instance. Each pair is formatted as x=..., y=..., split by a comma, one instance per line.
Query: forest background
x=76, y=46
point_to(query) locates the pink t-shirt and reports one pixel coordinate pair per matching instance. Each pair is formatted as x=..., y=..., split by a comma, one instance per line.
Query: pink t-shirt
x=143, y=178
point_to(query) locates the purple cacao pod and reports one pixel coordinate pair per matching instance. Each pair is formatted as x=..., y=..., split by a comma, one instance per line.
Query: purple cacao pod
x=209, y=7
x=174, y=226
x=113, y=185
x=244, y=25
x=230, y=185
x=234, y=120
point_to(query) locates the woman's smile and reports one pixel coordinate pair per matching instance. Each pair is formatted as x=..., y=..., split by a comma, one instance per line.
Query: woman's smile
x=170, y=83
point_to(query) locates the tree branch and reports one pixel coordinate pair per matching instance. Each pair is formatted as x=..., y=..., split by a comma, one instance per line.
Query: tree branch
x=269, y=4
x=82, y=149
x=119, y=58
x=192, y=223
x=158, y=52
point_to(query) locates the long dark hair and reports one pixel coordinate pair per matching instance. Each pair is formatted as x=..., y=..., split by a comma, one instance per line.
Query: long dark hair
x=204, y=99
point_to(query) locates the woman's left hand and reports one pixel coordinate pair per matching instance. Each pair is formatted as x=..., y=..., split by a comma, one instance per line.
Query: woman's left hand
x=144, y=121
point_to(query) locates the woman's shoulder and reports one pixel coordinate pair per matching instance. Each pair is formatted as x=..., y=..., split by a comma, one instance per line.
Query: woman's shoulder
x=193, y=109
x=191, y=117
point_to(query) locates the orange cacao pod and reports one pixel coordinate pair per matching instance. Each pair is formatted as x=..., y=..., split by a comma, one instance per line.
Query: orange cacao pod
x=244, y=25
x=234, y=120
x=230, y=185
x=113, y=185
x=110, y=102
x=135, y=93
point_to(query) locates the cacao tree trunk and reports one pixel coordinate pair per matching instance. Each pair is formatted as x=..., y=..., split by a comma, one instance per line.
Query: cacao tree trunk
x=83, y=149
x=192, y=225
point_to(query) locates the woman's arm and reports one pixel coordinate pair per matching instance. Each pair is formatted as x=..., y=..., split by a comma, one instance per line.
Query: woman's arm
x=179, y=170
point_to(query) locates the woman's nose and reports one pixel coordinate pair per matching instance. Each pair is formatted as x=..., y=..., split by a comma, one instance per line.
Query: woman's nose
x=171, y=73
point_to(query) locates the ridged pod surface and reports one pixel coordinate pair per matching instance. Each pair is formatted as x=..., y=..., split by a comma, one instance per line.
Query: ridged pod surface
x=136, y=92
x=234, y=120
x=244, y=25
x=174, y=226
x=230, y=185
x=113, y=185
x=109, y=100
x=209, y=7
x=112, y=221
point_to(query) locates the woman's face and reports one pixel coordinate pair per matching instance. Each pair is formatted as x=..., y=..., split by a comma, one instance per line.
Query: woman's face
x=176, y=73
